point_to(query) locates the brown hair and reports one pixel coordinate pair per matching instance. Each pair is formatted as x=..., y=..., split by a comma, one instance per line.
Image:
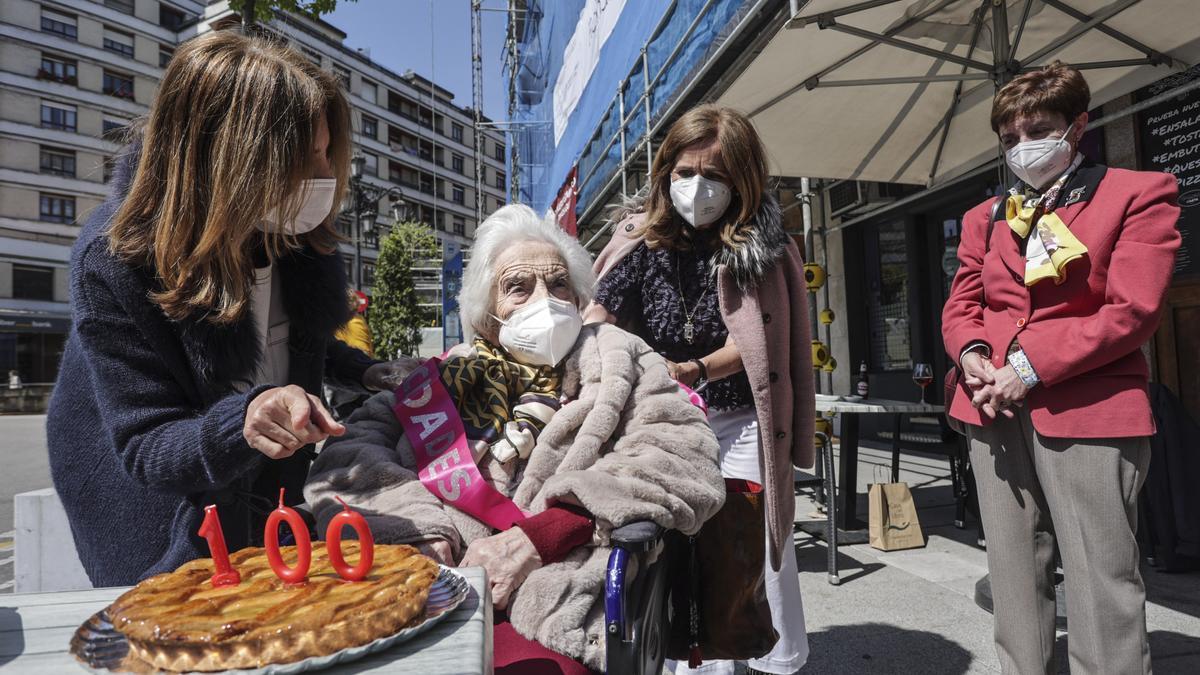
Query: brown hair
x=229, y=137
x=744, y=158
x=1056, y=88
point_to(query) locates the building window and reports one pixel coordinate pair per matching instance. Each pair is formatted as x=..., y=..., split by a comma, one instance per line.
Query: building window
x=343, y=75
x=58, y=162
x=457, y=163
x=33, y=283
x=499, y=152
x=56, y=208
x=118, y=85
x=170, y=18
x=500, y=179
x=58, y=116
x=887, y=287
x=59, y=24
x=117, y=42
x=114, y=130
x=371, y=165
x=123, y=6
x=370, y=127
x=369, y=92
x=313, y=56
x=164, y=55
x=368, y=274
x=440, y=219
x=58, y=69
x=460, y=226
x=456, y=132
x=110, y=164
x=459, y=194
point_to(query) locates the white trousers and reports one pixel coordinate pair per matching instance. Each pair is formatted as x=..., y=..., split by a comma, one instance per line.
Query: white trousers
x=737, y=432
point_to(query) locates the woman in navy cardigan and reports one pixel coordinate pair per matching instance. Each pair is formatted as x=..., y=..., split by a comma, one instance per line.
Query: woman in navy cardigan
x=204, y=308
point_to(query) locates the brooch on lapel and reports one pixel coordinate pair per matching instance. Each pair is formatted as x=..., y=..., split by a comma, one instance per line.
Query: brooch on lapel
x=1075, y=195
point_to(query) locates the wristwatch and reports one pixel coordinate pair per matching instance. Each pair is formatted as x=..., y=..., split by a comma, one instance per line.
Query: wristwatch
x=701, y=381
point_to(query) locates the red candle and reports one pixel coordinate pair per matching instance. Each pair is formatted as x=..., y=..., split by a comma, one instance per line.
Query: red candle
x=210, y=529
x=366, y=544
x=292, y=575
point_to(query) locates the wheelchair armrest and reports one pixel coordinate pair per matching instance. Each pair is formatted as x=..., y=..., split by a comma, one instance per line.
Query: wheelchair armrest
x=635, y=606
x=637, y=537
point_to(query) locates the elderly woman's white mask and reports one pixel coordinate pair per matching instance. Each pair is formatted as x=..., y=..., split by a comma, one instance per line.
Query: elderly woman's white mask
x=542, y=332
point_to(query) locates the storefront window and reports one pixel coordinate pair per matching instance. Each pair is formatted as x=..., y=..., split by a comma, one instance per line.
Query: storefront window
x=35, y=356
x=888, y=292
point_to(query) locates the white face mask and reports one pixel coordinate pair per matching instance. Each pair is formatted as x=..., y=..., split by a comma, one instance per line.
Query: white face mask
x=1038, y=163
x=316, y=202
x=541, y=333
x=699, y=200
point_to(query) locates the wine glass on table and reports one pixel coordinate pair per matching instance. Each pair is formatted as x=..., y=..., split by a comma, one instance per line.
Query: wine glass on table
x=923, y=376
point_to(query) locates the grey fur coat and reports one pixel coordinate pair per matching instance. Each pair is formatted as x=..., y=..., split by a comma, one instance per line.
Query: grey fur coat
x=628, y=446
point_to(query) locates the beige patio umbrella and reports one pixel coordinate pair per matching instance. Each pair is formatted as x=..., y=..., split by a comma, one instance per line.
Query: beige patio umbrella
x=901, y=90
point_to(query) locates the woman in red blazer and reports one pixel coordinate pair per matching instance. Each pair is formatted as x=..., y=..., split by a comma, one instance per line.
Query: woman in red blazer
x=1059, y=287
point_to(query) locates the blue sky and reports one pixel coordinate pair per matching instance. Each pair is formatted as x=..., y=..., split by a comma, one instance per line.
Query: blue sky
x=432, y=38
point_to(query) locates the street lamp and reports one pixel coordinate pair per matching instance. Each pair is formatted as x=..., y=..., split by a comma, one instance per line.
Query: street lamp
x=399, y=210
x=364, y=208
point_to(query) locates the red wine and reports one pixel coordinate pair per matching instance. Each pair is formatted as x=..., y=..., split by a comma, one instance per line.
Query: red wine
x=923, y=381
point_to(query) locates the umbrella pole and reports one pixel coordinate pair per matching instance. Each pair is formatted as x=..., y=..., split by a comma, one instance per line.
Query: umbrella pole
x=806, y=216
x=1005, y=66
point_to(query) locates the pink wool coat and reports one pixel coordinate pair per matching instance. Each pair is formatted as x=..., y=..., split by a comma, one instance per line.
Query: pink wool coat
x=766, y=311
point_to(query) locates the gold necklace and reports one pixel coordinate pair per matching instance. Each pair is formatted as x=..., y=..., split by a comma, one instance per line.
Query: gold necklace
x=689, y=328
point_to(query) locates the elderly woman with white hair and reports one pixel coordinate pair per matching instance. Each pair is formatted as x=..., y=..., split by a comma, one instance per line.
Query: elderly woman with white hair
x=568, y=432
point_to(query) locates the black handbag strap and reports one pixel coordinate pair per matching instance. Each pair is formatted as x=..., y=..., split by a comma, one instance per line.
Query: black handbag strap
x=987, y=241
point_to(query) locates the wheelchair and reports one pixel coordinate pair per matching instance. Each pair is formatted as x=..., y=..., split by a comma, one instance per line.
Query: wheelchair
x=637, y=619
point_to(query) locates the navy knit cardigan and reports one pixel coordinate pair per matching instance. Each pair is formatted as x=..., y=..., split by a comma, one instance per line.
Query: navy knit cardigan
x=144, y=427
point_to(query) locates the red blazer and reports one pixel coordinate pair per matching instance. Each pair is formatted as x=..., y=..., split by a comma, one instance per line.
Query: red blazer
x=1083, y=337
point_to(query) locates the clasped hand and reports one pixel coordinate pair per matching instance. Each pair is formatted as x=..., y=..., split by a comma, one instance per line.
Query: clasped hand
x=993, y=390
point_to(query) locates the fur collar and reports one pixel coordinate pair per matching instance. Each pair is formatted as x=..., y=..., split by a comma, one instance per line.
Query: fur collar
x=314, y=296
x=749, y=263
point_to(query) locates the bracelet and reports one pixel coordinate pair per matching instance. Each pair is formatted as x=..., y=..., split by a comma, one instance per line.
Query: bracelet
x=1024, y=369
x=702, y=380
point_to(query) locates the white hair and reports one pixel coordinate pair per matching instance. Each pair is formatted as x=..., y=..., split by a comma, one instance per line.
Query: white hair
x=515, y=224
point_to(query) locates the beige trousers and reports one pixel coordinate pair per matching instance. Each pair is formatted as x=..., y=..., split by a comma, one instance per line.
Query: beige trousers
x=1081, y=494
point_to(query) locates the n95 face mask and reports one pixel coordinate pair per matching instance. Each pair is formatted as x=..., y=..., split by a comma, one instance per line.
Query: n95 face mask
x=316, y=203
x=1038, y=163
x=541, y=333
x=700, y=201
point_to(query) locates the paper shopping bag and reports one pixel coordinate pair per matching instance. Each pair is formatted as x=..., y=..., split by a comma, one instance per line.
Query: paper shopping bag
x=893, y=524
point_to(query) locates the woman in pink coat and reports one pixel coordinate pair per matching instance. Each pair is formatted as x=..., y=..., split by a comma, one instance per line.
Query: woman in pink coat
x=704, y=272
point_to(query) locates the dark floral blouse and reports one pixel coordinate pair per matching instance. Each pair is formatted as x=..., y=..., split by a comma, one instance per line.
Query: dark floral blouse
x=642, y=292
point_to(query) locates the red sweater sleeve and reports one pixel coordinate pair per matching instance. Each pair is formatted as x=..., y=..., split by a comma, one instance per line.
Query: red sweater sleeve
x=558, y=530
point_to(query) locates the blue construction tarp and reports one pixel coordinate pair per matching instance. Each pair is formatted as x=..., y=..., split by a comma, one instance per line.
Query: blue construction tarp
x=591, y=136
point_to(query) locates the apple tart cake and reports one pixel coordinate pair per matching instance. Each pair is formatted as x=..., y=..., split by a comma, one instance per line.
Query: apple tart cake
x=179, y=621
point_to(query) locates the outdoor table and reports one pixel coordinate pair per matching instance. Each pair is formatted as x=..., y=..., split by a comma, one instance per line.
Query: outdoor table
x=851, y=530
x=36, y=629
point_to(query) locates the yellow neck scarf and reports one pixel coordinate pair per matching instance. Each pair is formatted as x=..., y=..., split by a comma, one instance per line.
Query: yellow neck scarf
x=1054, y=246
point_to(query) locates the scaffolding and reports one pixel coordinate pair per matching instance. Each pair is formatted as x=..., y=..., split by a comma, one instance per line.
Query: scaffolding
x=684, y=57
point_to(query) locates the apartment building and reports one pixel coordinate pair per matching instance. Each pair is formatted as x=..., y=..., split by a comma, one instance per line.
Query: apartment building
x=75, y=73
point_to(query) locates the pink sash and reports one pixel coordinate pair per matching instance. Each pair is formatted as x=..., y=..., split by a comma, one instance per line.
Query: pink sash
x=694, y=397
x=439, y=442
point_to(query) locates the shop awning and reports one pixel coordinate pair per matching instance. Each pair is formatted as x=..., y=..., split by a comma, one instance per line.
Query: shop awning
x=901, y=90
x=16, y=322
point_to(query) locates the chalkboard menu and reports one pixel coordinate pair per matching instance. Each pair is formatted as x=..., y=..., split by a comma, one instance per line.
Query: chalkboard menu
x=1170, y=141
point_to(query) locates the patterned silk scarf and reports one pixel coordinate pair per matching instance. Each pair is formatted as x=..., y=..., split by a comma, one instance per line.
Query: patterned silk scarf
x=1052, y=245
x=502, y=402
